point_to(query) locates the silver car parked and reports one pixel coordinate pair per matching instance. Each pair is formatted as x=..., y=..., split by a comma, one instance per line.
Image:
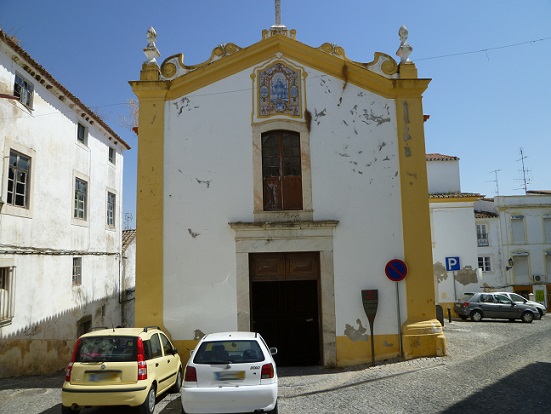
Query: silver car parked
x=515, y=297
x=493, y=305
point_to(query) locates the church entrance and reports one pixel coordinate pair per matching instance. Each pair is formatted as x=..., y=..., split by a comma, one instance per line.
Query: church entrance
x=285, y=304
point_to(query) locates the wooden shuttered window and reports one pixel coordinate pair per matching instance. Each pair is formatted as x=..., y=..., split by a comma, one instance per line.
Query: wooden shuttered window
x=281, y=171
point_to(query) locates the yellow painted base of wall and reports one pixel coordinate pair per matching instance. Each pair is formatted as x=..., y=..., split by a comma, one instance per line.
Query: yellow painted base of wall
x=359, y=352
x=184, y=348
x=20, y=357
x=445, y=306
x=423, y=339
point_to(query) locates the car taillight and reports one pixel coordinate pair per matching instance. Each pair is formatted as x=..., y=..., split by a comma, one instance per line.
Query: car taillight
x=465, y=304
x=267, y=371
x=142, y=365
x=73, y=358
x=191, y=374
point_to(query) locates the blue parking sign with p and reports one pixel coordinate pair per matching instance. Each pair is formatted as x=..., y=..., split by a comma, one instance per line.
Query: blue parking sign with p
x=452, y=263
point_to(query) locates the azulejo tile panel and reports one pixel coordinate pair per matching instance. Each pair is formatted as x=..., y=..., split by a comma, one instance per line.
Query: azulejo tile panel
x=279, y=91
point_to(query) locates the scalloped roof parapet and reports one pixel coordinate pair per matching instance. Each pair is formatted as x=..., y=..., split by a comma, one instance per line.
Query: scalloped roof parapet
x=174, y=67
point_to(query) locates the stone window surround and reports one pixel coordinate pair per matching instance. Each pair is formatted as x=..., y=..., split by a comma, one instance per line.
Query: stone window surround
x=306, y=214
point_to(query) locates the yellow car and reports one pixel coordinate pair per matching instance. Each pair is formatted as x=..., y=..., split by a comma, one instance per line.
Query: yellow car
x=121, y=367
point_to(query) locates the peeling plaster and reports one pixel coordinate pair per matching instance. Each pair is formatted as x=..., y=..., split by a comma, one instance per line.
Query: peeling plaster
x=356, y=335
x=192, y=234
x=378, y=119
x=182, y=104
x=439, y=271
x=323, y=84
x=318, y=115
x=407, y=137
x=466, y=276
x=204, y=182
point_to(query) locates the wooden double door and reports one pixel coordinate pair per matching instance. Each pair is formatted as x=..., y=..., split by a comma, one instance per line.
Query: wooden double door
x=285, y=305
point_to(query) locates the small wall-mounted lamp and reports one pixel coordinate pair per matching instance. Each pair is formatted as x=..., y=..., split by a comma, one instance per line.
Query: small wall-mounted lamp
x=511, y=263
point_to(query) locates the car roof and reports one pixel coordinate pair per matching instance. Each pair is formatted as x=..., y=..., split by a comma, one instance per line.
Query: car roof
x=119, y=331
x=222, y=336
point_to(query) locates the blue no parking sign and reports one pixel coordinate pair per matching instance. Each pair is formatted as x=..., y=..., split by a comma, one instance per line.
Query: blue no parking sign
x=396, y=270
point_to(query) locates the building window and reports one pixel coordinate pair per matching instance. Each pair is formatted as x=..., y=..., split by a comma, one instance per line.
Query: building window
x=81, y=194
x=18, y=180
x=77, y=271
x=281, y=171
x=6, y=295
x=24, y=91
x=482, y=235
x=112, y=155
x=547, y=227
x=84, y=325
x=484, y=263
x=82, y=134
x=517, y=229
x=521, y=268
x=111, y=199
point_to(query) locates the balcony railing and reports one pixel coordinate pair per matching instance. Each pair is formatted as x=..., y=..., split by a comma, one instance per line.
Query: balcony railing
x=483, y=241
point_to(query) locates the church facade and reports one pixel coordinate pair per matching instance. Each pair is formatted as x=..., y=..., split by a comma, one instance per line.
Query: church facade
x=276, y=183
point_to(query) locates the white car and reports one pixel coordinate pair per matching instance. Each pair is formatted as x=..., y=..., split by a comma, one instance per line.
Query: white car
x=230, y=372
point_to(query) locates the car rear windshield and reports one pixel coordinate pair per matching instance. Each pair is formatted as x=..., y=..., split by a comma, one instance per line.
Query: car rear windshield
x=107, y=349
x=466, y=297
x=221, y=352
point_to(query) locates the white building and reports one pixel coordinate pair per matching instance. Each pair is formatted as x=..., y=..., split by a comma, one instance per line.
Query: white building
x=275, y=184
x=522, y=261
x=128, y=287
x=454, y=243
x=60, y=217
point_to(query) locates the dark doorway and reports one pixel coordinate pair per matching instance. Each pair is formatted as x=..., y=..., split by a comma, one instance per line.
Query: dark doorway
x=285, y=305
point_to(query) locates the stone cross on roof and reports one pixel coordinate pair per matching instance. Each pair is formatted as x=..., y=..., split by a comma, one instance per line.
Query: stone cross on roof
x=278, y=26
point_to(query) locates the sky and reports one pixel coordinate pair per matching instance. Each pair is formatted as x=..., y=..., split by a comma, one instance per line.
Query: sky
x=489, y=62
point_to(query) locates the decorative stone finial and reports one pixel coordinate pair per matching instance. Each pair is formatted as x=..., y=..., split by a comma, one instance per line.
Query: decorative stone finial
x=151, y=51
x=405, y=49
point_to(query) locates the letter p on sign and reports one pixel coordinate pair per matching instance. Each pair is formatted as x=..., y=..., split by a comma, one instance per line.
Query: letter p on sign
x=452, y=263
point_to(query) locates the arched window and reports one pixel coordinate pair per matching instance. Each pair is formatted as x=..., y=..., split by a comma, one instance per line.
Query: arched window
x=281, y=170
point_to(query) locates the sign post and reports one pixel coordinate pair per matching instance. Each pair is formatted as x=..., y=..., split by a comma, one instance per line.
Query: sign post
x=370, y=300
x=396, y=270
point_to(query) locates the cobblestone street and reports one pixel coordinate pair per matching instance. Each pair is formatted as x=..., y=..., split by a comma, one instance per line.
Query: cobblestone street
x=505, y=364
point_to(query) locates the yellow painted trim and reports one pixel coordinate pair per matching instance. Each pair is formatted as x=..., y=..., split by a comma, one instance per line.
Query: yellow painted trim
x=422, y=333
x=454, y=200
x=344, y=69
x=184, y=347
x=415, y=209
x=149, y=208
x=359, y=352
x=423, y=339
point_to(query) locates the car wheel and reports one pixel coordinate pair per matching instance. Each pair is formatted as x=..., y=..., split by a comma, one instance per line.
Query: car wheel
x=178, y=384
x=527, y=317
x=148, y=406
x=476, y=316
x=274, y=411
x=463, y=317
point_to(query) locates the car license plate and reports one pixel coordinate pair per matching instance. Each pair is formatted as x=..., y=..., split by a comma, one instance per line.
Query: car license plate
x=103, y=376
x=229, y=375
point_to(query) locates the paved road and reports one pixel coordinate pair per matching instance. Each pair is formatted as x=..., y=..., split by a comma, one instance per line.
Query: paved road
x=492, y=366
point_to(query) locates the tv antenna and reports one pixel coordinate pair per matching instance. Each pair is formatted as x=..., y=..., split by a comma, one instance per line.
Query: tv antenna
x=128, y=220
x=496, y=181
x=525, y=179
